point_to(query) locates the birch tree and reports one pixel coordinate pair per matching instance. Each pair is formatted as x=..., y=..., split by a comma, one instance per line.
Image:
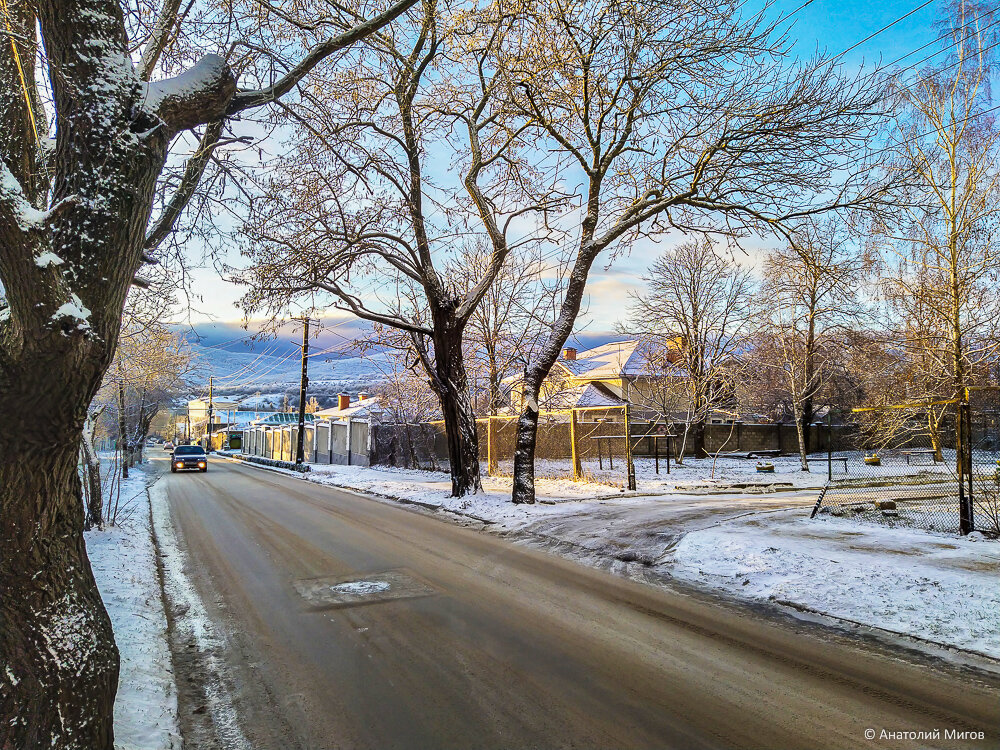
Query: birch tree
x=681, y=117
x=942, y=260
x=75, y=210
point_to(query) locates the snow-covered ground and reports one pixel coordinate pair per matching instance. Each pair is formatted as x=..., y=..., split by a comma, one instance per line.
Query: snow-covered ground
x=763, y=547
x=936, y=587
x=722, y=472
x=124, y=563
x=433, y=488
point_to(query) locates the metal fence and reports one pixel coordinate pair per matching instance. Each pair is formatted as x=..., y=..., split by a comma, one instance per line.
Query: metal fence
x=593, y=444
x=931, y=465
x=324, y=442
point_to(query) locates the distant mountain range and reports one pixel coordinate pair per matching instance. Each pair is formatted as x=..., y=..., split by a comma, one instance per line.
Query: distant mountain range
x=271, y=371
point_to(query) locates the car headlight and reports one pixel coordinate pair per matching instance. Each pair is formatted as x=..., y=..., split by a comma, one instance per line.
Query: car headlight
x=179, y=464
x=201, y=464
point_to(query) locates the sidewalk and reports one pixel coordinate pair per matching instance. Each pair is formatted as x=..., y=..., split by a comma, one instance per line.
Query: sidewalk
x=124, y=562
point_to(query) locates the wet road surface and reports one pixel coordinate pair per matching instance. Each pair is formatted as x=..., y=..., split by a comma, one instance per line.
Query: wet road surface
x=359, y=624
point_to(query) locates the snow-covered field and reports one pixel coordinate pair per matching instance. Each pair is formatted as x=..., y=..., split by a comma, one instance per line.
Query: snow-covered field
x=124, y=563
x=936, y=587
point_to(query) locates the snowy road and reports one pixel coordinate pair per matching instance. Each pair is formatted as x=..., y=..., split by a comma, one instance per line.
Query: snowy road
x=355, y=624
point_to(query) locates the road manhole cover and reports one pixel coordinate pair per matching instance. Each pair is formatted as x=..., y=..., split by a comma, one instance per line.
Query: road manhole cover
x=361, y=589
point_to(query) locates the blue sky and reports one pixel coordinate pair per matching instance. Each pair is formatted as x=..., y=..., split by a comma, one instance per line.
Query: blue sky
x=831, y=25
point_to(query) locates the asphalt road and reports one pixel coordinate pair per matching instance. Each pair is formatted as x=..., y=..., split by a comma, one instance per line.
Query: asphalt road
x=358, y=624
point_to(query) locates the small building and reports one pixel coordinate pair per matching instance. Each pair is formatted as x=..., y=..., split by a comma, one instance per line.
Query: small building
x=364, y=408
x=608, y=375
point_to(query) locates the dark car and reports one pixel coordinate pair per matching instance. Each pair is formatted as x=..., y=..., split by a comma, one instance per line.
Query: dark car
x=189, y=457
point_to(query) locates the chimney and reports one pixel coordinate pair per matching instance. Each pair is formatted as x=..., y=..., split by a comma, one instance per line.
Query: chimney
x=362, y=396
x=343, y=400
x=569, y=353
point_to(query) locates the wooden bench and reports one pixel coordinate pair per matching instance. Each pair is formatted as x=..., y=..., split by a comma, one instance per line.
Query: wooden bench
x=919, y=452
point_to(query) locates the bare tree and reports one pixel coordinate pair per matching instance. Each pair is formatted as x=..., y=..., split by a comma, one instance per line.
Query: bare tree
x=74, y=229
x=694, y=320
x=505, y=327
x=940, y=282
x=809, y=298
x=356, y=212
x=684, y=117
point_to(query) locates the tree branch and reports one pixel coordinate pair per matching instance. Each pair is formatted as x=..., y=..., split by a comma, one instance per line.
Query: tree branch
x=189, y=184
x=255, y=98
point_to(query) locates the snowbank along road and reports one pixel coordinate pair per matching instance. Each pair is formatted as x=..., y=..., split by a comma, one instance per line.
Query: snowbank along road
x=351, y=623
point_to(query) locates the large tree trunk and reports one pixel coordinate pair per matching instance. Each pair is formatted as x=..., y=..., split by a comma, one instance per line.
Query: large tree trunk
x=527, y=426
x=60, y=659
x=524, y=449
x=452, y=387
x=57, y=689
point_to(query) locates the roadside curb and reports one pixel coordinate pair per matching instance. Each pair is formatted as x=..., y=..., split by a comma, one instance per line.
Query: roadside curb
x=950, y=647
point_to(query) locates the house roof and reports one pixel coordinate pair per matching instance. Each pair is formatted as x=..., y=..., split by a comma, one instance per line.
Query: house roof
x=282, y=418
x=580, y=396
x=357, y=409
x=614, y=360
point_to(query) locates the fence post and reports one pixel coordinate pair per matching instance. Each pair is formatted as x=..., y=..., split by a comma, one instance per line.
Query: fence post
x=492, y=462
x=964, y=460
x=829, y=444
x=629, y=466
x=349, y=441
x=574, y=449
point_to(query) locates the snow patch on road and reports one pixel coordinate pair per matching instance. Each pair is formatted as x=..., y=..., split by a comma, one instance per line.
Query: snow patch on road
x=124, y=563
x=360, y=588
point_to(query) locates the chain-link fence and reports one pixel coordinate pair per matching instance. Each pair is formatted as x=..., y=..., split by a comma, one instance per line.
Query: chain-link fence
x=930, y=465
x=588, y=444
x=982, y=436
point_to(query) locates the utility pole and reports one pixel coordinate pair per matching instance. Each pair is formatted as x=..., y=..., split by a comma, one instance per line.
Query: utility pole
x=300, y=441
x=209, y=450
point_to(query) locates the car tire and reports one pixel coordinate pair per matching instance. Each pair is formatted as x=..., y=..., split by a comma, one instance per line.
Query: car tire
x=204, y=470
x=173, y=469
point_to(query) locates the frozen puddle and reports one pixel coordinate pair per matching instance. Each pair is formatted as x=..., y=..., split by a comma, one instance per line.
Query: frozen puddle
x=374, y=588
x=360, y=587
